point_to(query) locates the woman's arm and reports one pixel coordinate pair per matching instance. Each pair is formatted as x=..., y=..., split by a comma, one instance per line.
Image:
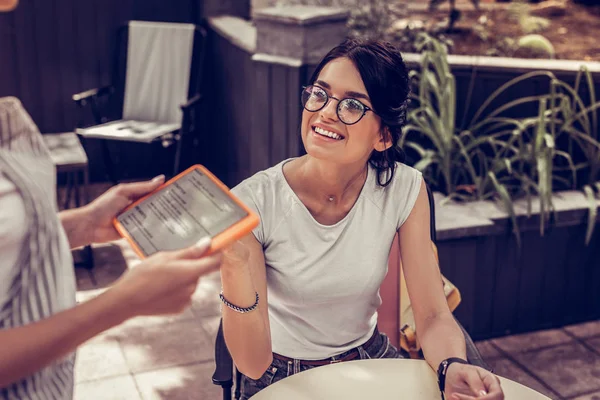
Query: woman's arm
x=29, y=348
x=161, y=284
x=248, y=336
x=439, y=334
x=77, y=225
x=93, y=223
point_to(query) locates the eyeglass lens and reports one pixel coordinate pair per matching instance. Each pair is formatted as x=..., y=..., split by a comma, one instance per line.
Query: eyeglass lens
x=349, y=111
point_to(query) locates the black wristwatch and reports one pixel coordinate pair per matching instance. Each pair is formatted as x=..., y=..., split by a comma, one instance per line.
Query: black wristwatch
x=443, y=368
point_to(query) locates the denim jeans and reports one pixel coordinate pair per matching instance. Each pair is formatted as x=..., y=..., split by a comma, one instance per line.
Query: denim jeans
x=279, y=369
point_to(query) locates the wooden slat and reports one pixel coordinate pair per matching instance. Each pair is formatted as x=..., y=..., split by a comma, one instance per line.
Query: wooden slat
x=27, y=61
x=574, y=278
x=242, y=112
x=86, y=43
x=530, y=284
x=261, y=126
x=463, y=275
x=279, y=114
x=506, y=290
x=9, y=71
x=67, y=64
x=592, y=287
x=485, y=273
x=294, y=83
x=553, y=284
x=50, y=115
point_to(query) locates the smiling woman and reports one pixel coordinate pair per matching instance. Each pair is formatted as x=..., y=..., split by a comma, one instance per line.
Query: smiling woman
x=8, y=5
x=328, y=222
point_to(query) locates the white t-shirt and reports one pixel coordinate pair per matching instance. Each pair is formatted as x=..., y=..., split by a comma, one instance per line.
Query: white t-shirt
x=323, y=281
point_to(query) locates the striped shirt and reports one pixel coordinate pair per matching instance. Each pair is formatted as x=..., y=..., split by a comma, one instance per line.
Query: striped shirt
x=38, y=263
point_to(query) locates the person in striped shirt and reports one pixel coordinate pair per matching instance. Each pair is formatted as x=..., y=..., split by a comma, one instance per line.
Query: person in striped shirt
x=40, y=323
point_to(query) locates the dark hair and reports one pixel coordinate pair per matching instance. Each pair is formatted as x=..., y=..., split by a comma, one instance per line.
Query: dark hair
x=385, y=76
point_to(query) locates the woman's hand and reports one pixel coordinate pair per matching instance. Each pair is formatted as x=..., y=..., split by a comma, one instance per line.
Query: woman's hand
x=101, y=212
x=468, y=382
x=165, y=282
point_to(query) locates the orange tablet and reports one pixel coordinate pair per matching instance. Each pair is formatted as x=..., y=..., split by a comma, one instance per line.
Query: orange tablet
x=188, y=207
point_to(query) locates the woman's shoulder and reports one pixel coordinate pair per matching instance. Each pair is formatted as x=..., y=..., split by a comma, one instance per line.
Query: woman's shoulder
x=267, y=179
x=263, y=187
x=262, y=193
x=402, y=168
x=404, y=176
x=403, y=187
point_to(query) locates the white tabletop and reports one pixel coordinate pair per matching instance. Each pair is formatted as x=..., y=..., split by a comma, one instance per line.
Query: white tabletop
x=373, y=379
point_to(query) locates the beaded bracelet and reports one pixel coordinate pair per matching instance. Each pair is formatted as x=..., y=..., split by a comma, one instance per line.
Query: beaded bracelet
x=239, y=309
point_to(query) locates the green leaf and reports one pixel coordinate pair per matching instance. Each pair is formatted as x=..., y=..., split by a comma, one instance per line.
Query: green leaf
x=424, y=163
x=592, y=94
x=508, y=205
x=418, y=148
x=508, y=165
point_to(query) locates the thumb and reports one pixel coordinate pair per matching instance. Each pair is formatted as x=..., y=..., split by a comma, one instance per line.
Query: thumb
x=138, y=189
x=196, y=251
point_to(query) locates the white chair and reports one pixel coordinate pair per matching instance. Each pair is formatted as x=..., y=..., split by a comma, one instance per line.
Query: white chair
x=155, y=93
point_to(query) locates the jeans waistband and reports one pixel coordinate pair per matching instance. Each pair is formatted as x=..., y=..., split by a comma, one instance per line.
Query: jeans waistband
x=352, y=354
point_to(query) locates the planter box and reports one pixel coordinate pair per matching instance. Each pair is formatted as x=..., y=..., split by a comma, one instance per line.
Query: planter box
x=551, y=281
x=477, y=77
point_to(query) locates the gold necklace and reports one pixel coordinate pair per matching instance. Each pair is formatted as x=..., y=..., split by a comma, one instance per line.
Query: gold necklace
x=332, y=197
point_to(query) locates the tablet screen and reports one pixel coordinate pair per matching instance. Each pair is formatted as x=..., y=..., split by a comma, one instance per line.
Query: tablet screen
x=180, y=214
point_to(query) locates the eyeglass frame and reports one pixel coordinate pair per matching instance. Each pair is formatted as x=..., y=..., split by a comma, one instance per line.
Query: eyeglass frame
x=366, y=108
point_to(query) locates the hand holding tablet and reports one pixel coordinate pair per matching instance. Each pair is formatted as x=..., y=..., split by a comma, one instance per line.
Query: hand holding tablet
x=190, y=206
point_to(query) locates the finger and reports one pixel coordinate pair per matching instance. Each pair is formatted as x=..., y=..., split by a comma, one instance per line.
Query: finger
x=475, y=382
x=195, y=251
x=201, y=266
x=191, y=289
x=491, y=382
x=138, y=189
x=458, y=396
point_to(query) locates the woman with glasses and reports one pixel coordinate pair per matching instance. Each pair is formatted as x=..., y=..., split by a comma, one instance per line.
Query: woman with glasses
x=328, y=220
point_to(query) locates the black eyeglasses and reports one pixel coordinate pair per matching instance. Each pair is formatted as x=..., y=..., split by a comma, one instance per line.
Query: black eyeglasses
x=348, y=110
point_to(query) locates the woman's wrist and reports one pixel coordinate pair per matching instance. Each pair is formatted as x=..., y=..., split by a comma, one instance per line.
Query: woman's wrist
x=443, y=368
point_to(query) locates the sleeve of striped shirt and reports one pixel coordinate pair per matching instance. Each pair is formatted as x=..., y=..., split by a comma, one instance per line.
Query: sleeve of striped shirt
x=12, y=234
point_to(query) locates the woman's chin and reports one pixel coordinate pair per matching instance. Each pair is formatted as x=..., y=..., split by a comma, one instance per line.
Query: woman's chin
x=320, y=153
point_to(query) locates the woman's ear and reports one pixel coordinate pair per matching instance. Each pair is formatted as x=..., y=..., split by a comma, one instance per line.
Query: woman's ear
x=385, y=140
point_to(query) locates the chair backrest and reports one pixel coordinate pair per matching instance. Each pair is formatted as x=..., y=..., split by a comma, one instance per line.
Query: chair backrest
x=432, y=229
x=157, y=67
x=159, y=60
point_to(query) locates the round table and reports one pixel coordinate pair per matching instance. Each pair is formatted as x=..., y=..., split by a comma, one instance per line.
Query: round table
x=373, y=379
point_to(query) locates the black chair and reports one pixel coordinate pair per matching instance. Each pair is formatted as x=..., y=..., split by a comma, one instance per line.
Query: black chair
x=155, y=90
x=225, y=369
